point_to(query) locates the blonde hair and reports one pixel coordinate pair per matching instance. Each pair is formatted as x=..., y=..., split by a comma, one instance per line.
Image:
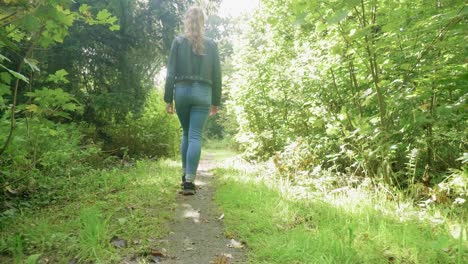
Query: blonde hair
x=194, y=24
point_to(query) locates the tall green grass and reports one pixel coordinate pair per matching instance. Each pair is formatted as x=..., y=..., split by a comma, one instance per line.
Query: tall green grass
x=282, y=223
x=130, y=203
x=93, y=236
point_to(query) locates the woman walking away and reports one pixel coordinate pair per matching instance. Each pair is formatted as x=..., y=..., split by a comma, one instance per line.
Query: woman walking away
x=194, y=82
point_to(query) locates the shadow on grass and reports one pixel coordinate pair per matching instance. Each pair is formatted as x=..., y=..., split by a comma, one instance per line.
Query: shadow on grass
x=278, y=230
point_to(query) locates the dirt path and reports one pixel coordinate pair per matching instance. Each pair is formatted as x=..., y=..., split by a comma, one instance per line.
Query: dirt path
x=197, y=234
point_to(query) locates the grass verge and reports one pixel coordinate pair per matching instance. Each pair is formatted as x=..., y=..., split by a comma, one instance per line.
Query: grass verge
x=108, y=216
x=281, y=223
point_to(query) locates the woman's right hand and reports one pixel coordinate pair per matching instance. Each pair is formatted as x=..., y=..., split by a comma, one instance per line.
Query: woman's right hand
x=213, y=110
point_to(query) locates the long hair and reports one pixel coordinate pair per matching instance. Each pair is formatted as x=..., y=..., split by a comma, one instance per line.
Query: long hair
x=194, y=24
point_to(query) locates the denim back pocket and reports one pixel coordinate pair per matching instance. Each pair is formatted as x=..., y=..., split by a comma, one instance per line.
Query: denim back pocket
x=201, y=93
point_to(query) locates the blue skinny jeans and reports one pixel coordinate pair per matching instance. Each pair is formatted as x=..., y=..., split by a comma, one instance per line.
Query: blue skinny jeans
x=192, y=102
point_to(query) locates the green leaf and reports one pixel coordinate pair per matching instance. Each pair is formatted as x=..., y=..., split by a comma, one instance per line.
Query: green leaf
x=84, y=8
x=59, y=77
x=65, y=17
x=319, y=27
x=2, y=58
x=70, y=106
x=4, y=90
x=338, y=17
x=63, y=114
x=16, y=74
x=5, y=77
x=14, y=33
x=32, y=108
x=32, y=64
x=114, y=27
x=19, y=76
x=103, y=16
x=53, y=132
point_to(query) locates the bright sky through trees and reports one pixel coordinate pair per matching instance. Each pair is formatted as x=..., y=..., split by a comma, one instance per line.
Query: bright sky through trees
x=235, y=8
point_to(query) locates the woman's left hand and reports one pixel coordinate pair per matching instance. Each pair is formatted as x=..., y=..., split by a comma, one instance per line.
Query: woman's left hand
x=213, y=110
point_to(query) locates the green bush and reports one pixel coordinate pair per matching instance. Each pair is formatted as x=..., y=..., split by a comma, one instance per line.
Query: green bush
x=41, y=152
x=154, y=134
x=44, y=143
x=330, y=90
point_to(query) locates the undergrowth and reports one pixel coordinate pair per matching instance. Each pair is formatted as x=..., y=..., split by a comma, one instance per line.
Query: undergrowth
x=284, y=222
x=107, y=216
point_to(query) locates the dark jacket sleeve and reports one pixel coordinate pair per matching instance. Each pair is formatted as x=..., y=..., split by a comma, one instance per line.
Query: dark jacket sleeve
x=170, y=76
x=217, y=79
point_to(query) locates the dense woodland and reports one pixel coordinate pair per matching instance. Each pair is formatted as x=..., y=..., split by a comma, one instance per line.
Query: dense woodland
x=370, y=89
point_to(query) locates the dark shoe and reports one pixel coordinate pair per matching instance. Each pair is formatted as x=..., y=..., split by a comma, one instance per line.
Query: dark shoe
x=183, y=181
x=189, y=188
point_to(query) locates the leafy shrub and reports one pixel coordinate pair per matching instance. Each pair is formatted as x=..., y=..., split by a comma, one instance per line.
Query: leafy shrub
x=43, y=149
x=154, y=134
x=333, y=91
x=45, y=145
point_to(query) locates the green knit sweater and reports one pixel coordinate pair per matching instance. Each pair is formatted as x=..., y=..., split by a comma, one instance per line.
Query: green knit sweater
x=185, y=65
